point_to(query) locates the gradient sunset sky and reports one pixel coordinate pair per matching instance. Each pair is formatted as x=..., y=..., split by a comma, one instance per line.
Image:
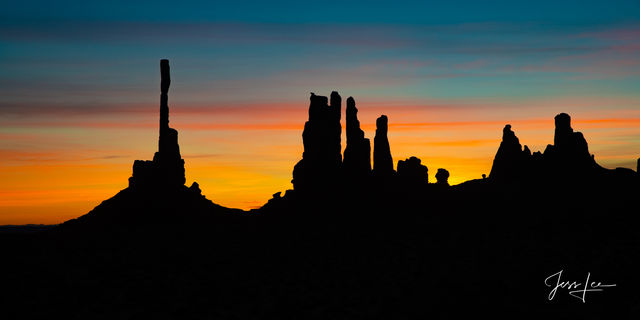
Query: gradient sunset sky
x=79, y=88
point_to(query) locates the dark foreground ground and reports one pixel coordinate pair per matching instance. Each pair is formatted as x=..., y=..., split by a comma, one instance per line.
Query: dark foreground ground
x=435, y=254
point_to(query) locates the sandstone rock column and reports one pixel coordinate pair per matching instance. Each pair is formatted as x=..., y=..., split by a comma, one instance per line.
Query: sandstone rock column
x=168, y=160
x=382, y=160
x=322, y=156
x=165, y=82
x=563, y=129
x=357, y=154
x=570, y=149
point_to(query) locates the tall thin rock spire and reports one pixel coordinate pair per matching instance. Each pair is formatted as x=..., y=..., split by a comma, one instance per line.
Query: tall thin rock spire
x=167, y=167
x=165, y=82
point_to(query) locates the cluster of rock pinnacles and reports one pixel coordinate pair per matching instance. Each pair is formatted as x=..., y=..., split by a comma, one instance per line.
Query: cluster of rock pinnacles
x=323, y=165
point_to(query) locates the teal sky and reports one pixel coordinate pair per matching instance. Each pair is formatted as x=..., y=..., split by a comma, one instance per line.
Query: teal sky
x=242, y=51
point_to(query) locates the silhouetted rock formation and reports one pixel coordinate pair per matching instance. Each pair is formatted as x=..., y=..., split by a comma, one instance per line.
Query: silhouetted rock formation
x=412, y=172
x=567, y=161
x=569, y=152
x=442, y=177
x=156, y=192
x=167, y=167
x=387, y=248
x=382, y=160
x=195, y=188
x=322, y=157
x=357, y=154
x=511, y=161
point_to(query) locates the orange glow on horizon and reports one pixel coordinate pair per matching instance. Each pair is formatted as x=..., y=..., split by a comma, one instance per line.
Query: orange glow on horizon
x=56, y=169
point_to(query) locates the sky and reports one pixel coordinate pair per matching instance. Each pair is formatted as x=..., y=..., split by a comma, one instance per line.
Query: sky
x=79, y=88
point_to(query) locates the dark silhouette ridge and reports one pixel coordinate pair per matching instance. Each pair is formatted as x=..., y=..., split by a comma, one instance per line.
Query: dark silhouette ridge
x=339, y=246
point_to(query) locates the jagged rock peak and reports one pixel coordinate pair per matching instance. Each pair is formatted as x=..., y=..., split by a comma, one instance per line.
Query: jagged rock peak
x=508, y=136
x=357, y=154
x=510, y=161
x=382, y=160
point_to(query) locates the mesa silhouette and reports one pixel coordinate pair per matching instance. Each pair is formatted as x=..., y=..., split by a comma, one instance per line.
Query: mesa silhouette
x=354, y=238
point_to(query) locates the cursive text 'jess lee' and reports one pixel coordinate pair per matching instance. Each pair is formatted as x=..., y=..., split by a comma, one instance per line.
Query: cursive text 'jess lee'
x=576, y=289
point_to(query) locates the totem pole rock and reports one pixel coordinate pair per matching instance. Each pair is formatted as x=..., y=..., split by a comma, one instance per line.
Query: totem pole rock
x=167, y=167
